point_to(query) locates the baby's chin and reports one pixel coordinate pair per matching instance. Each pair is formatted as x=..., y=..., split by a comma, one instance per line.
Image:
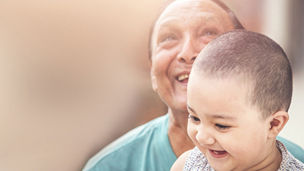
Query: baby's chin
x=220, y=166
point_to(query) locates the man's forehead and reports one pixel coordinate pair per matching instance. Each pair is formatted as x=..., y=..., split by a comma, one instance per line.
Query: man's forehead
x=184, y=6
x=204, y=17
x=185, y=9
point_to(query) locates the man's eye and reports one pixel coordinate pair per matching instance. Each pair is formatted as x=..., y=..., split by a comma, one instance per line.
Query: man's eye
x=194, y=118
x=168, y=38
x=220, y=126
x=210, y=33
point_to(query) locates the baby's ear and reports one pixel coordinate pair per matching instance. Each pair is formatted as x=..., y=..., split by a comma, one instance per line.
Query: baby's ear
x=277, y=122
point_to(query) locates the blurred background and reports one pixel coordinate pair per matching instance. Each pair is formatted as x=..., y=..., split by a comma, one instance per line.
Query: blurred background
x=74, y=75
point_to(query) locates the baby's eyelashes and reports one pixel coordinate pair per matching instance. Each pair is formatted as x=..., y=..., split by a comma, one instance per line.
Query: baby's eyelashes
x=193, y=118
x=222, y=127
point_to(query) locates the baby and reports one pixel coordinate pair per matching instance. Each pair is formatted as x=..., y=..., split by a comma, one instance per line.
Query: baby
x=239, y=92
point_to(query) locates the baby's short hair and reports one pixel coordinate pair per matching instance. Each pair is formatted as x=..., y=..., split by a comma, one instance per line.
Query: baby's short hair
x=255, y=57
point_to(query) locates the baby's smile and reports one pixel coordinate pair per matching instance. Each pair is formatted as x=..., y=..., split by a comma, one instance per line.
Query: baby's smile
x=217, y=153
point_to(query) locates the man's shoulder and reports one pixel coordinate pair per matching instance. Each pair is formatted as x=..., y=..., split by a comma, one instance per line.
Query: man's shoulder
x=128, y=147
x=134, y=137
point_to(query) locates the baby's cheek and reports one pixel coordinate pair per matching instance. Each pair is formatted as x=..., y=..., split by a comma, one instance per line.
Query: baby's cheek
x=191, y=131
x=234, y=145
x=242, y=147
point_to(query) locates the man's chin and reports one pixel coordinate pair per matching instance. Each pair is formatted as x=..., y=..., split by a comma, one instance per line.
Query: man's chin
x=180, y=107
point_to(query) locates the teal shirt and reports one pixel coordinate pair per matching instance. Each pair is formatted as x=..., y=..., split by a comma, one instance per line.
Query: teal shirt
x=147, y=148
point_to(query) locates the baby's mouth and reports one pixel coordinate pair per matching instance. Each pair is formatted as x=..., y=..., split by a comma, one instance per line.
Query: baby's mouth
x=217, y=153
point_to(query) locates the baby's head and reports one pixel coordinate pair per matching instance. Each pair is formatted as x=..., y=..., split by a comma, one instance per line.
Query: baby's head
x=239, y=92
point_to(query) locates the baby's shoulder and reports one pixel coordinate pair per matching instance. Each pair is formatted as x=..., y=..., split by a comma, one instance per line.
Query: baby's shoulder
x=289, y=162
x=197, y=161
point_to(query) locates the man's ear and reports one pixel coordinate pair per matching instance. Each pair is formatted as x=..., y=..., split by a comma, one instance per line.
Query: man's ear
x=277, y=122
x=153, y=81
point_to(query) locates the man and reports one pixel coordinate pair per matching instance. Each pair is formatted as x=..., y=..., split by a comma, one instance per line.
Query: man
x=179, y=34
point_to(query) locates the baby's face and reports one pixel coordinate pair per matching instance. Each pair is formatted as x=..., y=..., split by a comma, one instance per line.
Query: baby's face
x=230, y=132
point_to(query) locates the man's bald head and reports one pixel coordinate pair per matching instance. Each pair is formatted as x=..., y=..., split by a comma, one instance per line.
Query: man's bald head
x=235, y=21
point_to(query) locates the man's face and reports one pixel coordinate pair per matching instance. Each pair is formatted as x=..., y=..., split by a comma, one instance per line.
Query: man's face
x=180, y=33
x=230, y=132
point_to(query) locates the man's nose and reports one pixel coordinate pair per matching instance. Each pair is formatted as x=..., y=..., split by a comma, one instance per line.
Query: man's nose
x=204, y=137
x=188, y=52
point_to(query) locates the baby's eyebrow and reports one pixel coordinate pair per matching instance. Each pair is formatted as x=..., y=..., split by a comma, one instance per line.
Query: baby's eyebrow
x=221, y=116
x=215, y=116
x=192, y=110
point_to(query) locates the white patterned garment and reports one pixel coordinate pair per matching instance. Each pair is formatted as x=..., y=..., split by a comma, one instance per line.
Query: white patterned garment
x=196, y=161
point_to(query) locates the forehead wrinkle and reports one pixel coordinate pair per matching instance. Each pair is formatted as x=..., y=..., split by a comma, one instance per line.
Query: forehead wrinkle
x=204, y=17
x=206, y=20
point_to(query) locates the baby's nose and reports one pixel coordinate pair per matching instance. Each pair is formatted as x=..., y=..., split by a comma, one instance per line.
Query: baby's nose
x=204, y=138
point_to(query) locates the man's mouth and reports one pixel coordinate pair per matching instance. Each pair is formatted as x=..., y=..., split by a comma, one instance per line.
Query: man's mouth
x=218, y=154
x=183, y=78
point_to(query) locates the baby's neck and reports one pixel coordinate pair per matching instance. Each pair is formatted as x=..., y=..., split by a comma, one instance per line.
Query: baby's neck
x=271, y=162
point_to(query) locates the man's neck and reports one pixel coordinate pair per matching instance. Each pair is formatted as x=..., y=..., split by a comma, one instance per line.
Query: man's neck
x=177, y=132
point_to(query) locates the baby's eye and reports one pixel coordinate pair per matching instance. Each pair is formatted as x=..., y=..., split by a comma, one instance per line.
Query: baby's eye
x=222, y=127
x=193, y=118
